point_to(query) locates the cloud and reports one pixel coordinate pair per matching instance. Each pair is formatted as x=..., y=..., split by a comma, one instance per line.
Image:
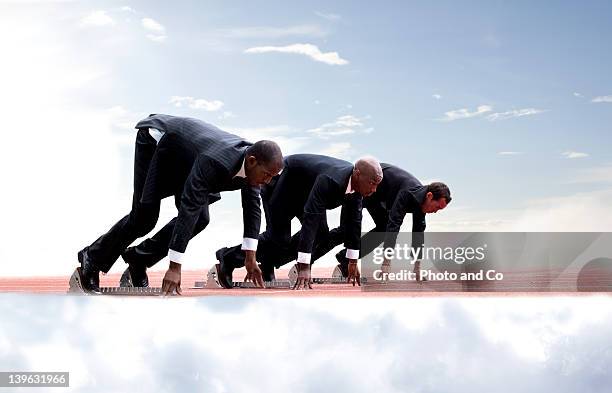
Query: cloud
x=578, y=95
x=574, y=154
x=397, y=344
x=602, y=99
x=464, y=113
x=52, y=69
x=578, y=212
x=340, y=150
x=226, y=115
x=343, y=125
x=308, y=50
x=601, y=174
x=585, y=211
x=266, y=32
x=97, y=18
x=514, y=113
x=157, y=38
x=437, y=96
x=158, y=31
x=288, y=139
x=152, y=25
x=510, y=153
x=196, y=103
x=329, y=16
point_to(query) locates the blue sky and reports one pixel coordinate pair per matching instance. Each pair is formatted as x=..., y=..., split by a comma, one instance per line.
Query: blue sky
x=510, y=56
x=507, y=102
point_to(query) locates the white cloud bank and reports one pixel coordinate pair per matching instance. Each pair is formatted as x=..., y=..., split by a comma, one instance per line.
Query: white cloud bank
x=196, y=103
x=343, y=125
x=312, y=345
x=574, y=154
x=465, y=113
x=97, y=18
x=514, y=113
x=602, y=99
x=309, y=50
x=482, y=110
x=156, y=29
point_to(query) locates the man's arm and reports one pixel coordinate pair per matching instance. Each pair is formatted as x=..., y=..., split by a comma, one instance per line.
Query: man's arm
x=418, y=229
x=251, y=216
x=401, y=205
x=314, y=211
x=350, y=220
x=404, y=203
x=204, y=175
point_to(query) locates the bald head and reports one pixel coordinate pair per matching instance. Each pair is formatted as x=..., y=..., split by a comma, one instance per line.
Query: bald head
x=367, y=175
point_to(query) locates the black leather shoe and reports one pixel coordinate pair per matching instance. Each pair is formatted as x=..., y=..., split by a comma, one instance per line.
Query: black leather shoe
x=267, y=272
x=138, y=270
x=90, y=273
x=342, y=262
x=224, y=270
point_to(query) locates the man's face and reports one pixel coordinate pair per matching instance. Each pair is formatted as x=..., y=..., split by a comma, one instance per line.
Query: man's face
x=431, y=205
x=258, y=173
x=365, y=185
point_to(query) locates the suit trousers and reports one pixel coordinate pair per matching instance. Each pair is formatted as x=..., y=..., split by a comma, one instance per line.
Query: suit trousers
x=276, y=247
x=374, y=237
x=141, y=220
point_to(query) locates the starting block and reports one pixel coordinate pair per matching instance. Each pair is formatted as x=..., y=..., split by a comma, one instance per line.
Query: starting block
x=336, y=278
x=76, y=287
x=212, y=281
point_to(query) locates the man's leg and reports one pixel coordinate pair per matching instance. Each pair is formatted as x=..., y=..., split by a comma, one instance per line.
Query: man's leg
x=325, y=241
x=102, y=253
x=154, y=249
x=270, y=244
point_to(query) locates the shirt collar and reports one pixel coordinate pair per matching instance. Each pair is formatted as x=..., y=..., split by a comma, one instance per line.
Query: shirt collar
x=241, y=172
x=349, y=189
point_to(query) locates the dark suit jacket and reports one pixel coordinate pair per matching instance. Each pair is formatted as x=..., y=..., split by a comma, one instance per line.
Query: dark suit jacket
x=400, y=193
x=208, y=158
x=310, y=185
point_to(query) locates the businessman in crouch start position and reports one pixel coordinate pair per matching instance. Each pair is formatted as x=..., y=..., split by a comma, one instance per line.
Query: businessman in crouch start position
x=193, y=161
x=308, y=186
x=399, y=194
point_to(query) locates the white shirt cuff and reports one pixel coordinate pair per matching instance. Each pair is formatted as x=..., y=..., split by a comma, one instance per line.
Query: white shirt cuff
x=249, y=244
x=303, y=257
x=175, y=256
x=352, y=254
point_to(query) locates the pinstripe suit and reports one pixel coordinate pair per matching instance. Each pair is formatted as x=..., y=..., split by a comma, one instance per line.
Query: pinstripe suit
x=398, y=194
x=194, y=161
x=308, y=186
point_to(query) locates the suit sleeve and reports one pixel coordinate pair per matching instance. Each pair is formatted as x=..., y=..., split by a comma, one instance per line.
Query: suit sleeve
x=350, y=218
x=251, y=216
x=202, y=179
x=403, y=204
x=314, y=211
x=418, y=229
